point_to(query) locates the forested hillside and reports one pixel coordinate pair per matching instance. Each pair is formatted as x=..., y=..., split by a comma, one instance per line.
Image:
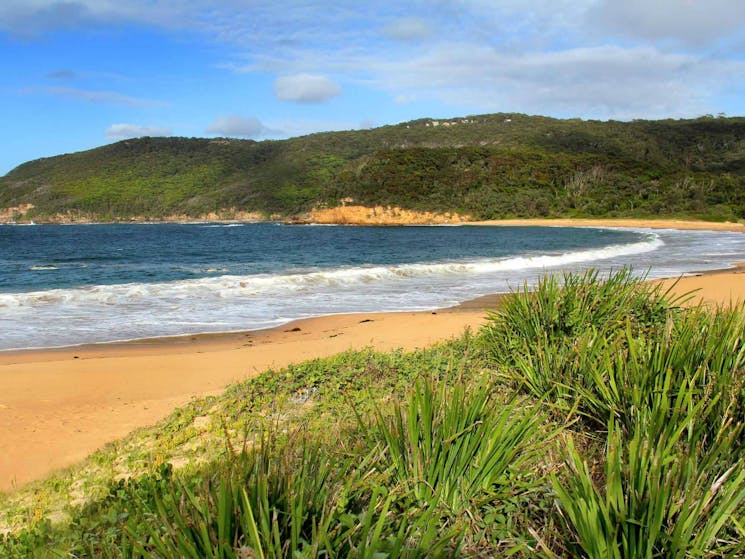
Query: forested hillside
x=487, y=166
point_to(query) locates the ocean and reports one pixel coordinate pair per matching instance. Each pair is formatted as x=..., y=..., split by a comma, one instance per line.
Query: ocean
x=64, y=285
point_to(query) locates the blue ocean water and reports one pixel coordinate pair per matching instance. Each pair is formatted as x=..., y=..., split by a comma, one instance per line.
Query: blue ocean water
x=66, y=285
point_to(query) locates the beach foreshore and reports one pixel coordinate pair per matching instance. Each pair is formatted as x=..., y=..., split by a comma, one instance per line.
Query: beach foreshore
x=59, y=405
x=687, y=225
x=380, y=216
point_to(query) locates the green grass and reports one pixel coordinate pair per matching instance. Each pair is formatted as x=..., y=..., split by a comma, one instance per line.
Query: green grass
x=594, y=417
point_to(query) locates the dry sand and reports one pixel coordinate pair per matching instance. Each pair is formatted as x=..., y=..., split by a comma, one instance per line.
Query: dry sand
x=714, y=288
x=621, y=222
x=57, y=406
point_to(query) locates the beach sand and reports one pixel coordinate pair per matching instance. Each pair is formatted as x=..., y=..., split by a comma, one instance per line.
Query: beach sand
x=57, y=406
x=620, y=222
x=713, y=288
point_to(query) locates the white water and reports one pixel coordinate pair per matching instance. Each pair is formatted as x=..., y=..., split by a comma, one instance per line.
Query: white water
x=229, y=302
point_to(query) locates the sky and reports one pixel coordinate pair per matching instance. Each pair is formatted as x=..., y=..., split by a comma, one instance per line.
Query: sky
x=77, y=74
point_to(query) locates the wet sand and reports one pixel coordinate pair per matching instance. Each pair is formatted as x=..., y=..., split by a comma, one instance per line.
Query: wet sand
x=57, y=406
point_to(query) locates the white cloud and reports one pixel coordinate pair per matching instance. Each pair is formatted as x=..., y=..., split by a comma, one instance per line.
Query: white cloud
x=103, y=97
x=62, y=75
x=270, y=24
x=408, y=29
x=560, y=57
x=238, y=126
x=125, y=131
x=598, y=82
x=404, y=98
x=687, y=21
x=69, y=75
x=305, y=88
x=35, y=17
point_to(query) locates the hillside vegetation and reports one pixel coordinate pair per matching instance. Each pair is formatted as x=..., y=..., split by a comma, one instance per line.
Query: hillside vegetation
x=594, y=418
x=488, y=166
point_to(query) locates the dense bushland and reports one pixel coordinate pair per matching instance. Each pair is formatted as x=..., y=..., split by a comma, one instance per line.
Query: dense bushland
x=487, y=166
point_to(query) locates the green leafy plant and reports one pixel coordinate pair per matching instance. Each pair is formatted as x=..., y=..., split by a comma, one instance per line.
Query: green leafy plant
x=457, y=447
x=442, y=452
x=552, y=340
x=664, y=491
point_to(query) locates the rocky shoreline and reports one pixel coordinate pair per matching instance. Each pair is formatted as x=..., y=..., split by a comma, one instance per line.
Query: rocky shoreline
x=358, y=215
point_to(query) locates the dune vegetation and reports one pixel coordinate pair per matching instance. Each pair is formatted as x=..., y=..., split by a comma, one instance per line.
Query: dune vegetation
x=485, y=166
x=592, y=417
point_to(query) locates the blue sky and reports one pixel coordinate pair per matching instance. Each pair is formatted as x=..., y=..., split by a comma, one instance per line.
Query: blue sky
x=81, y=73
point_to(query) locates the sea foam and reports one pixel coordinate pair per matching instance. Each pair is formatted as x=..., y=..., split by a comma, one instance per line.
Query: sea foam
x=225, y=301
x=236, y=287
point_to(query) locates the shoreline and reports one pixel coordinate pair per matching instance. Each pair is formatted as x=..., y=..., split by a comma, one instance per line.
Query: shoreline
x=665, y=223
x=179, y=343
x=419, y=219
x=57, y=405
x=184, y=343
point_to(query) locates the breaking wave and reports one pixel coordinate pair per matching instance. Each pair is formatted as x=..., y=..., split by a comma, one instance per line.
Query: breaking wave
x=228, y=287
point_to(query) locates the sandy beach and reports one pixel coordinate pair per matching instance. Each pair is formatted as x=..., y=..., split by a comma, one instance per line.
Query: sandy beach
x=620, y=222
x=57, y=406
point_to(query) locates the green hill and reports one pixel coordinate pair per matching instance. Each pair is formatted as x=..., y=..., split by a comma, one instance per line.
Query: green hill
x=487, y=166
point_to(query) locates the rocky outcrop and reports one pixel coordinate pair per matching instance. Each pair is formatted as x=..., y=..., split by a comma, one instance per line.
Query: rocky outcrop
x=15, y=214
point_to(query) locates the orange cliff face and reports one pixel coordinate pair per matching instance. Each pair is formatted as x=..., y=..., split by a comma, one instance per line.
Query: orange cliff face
x=342, y=215
x=380, y=215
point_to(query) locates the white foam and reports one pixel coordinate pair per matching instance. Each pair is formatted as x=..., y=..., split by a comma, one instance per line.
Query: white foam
x=228, y=286
x=223, y=225
x=100, y=313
